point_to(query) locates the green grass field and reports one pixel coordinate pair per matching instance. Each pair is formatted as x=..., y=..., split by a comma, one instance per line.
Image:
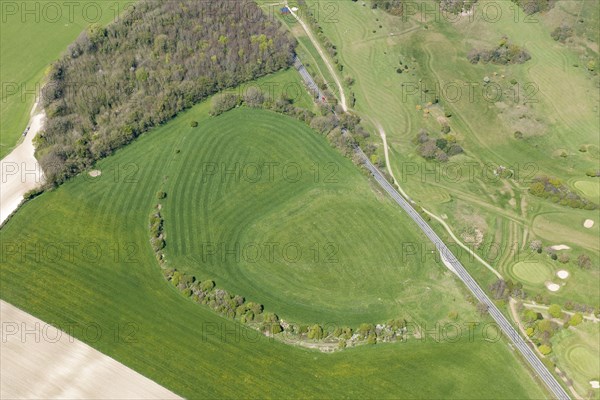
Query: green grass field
x=554, y=103
x=534, y=273
x=576, y=351
x=112, y=279
x=32, y=36
x=589, y=188
x=339, y=254
x=543, y=104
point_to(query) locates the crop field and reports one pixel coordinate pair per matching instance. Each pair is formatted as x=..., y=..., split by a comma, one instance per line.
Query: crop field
x=30, y=42
x=112, y=279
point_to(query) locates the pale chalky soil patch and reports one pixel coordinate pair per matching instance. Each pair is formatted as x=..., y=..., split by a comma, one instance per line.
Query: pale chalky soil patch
x=38, y=361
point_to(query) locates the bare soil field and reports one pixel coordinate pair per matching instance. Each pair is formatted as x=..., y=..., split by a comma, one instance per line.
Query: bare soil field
x=38, y=361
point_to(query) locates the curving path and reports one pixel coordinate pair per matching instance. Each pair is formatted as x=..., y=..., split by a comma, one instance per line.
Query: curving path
x=540, y=369
x=452, y=262
x=20, y=171
x=324, y=57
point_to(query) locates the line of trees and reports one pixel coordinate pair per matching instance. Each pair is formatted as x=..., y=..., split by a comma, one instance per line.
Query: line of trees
x=253, y=314
x=116, y=82
x=394, y=7
x=534, y=6
x=554, y=189
x=505, y=53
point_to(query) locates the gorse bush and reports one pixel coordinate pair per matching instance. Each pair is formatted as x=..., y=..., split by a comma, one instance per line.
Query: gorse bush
x=394, y=7
x=160, y=58
x=505, y=53
x=554, y=189
x=535, y=6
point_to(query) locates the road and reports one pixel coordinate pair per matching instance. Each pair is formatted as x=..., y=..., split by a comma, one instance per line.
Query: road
x=507, y=329
x=313, y=88
x=323, y=57
x=449, y=258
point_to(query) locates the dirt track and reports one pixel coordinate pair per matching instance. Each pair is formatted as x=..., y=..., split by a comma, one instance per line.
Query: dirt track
x=20, y=170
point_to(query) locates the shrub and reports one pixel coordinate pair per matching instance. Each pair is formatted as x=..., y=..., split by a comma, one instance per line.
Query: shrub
x=563, y=258
x=33, y=193
x=194, y=124
x=207, y=286
x=530, y=331
x=576, y=319
x=324, y=124
x=536, y=245
x=254, y=97
x=555, y=311
x=161, y=195
x=441, y=156
x=441, y=143
x=275, y=328
x=428, y=149
x=365, y=329
x=454, y=149
x=518, y=135
x=223, y=102
x=584, y=261
x=315, y=332
x=504, y=53
x=545, y=349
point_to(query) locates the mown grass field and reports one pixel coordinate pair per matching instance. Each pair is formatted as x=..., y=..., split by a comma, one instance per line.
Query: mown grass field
x=554, y=103
x=576, y=350
x=32, y=36
x=340, y=253
x=110, y=277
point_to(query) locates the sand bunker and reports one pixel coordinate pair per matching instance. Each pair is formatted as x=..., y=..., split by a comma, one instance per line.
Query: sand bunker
x=560, y=247
x=553, y=287
x=595, y=384
x=588, y=223
x=95, y=173
x=562, y=274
